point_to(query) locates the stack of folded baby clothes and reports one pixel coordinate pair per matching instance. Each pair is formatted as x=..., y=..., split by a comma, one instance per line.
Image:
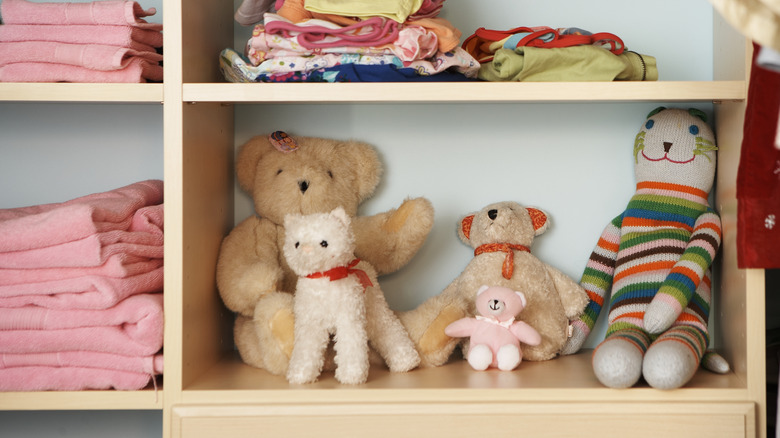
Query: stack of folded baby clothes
x=81, y=303
x=336, y=41
x=102, y=41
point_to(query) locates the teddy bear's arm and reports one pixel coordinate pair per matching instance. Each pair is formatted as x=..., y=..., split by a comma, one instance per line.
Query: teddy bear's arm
x=597, y=282
x=389, y=240
x=573, y=296
x=681, y=282
x=248, y=265
x=461, y=328
x=525, y=333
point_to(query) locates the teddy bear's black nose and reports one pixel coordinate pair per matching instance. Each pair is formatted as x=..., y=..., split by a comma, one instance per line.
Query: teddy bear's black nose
x=667, y=146
x=303, y=185
x=493, y=214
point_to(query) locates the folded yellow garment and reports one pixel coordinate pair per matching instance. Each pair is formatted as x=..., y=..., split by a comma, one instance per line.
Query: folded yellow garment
x=568, y=64
x=397, y=10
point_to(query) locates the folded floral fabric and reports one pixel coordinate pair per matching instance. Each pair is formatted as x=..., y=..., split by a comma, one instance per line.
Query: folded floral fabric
x=321, y=34
x=87, y=292
x=111, y=12
x=144, y=40
x=398, y=10
x=92, y=56
x=150, y=365
x=46, y=225
x=578, y=63
x=43, y=378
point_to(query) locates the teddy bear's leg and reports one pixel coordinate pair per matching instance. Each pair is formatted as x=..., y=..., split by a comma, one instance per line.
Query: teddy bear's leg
x=351, y=348
x=273, y=333
x=508, y=357
x=617, y=361
x=387, y=335
x=426, y=325
x=480, y=357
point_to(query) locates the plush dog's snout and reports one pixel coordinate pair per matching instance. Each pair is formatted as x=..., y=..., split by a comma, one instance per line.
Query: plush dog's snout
x=303, y=185
x=493, y=214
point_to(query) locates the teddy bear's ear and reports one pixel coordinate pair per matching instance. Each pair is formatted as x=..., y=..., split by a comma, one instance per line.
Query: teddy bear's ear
x=248, y=157
x=482, y=288
x=464, y=231
x=539, y=220
x=365, y=162
x=522, y=297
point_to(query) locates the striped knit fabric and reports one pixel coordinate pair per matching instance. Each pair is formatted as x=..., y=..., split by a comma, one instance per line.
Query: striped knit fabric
x=658, y=251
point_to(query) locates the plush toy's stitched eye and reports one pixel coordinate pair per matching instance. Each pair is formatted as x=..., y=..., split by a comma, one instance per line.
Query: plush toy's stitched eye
x=330, y=174
x=649, y=124
x=297, y=244
x=693, y=129
x=324, y=244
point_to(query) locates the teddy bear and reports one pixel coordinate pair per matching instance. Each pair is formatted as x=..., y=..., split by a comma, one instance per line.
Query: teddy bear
x=654, y=260
x=338, y=295
x=285, y=174
x=494, y=335
x=501, y=235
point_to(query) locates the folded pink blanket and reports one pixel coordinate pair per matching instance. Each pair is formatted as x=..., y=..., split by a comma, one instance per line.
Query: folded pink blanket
x=92, y=56
x=137, y=71
x=99, y=12
x=122, y=36
x=89, y=292
x=50, y=224
x=85, y=359
x=132, y=330
x=40, y=378
x=120, y=265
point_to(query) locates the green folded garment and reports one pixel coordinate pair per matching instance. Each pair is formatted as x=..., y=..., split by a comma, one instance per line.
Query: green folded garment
x=568, y=64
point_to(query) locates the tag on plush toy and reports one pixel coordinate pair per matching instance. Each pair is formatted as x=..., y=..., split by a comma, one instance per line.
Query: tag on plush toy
x=282, y=142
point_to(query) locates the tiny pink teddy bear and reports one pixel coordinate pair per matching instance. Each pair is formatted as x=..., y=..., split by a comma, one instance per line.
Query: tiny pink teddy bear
x=495, y=336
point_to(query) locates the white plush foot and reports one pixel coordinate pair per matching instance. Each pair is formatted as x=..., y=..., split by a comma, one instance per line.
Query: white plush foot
x=617, y=363
x=669, y=364
x=304, y=373
x=480, y=357
x=508, y=357
x=403, y=359
x=351, y=374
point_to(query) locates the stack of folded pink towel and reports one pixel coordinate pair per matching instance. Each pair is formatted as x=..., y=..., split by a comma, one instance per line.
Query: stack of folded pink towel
x=81, y=303
x=102, y=41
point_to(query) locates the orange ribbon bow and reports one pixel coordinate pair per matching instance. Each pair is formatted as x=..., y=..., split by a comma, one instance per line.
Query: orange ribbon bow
x=340, y=272
x=509, y=262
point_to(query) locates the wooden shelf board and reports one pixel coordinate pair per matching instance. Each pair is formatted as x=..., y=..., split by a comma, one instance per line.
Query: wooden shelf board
x=146, y=399
x=567, y=379
x=80, y=92
x=679, y=91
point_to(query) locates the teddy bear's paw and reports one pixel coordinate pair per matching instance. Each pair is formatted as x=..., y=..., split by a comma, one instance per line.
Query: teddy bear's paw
x=508, y=357
x=480, y=357
x=617, y=363
x=413, y=216
x=403, y=360
x=669, y=364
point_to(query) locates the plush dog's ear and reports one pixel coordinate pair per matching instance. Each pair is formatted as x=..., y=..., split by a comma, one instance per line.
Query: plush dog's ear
x=464, y=231
x=539, y=220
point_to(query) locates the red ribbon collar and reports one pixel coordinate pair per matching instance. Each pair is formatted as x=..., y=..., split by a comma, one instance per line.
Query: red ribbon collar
x=509, y=262
x=340, y=272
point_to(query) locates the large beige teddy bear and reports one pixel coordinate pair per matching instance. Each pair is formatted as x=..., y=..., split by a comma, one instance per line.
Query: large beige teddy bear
x=303, y=176
x=501, y=235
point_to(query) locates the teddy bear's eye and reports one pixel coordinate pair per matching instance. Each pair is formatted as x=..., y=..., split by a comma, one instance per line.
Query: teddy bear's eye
x=324, y=244
x=693, y=129
x=330, y=174
x=279, y=171
x=297, y=244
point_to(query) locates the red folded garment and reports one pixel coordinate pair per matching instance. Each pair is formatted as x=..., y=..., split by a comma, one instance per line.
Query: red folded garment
x=91, y=56
x=41, y=378
x=122, y=36
x=137, y=71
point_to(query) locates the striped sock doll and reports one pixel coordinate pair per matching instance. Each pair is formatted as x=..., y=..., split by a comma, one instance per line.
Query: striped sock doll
x=654, y=259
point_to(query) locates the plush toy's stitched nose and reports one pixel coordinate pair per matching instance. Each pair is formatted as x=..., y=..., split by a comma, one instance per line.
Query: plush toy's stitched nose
x=493, y=214
x=303, y=185
x=667, y=146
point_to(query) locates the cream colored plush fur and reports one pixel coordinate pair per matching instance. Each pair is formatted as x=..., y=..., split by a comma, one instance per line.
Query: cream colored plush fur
x=553, y=298
x=337, y=295
x=252, y=277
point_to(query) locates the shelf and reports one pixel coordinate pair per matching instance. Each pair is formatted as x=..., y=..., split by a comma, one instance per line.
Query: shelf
x=468, y=92
x=147, y=399
x=566, y=379
x=80, y=92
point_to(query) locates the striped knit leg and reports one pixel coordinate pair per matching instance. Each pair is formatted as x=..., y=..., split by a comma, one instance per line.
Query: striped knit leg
x=674, y=357
x=617, y=361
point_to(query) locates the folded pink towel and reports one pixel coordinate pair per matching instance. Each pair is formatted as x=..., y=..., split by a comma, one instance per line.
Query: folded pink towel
x=120, y=265
x=137, y=71
x=99, y=12
x=85, y=359
x=122, y=36
x=89, y=292
x=92, y=56
x=41, y=378
x=132, y=330
x=50, y=224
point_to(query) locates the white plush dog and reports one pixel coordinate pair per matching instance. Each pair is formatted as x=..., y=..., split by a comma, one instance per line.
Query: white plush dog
x=338, y=295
